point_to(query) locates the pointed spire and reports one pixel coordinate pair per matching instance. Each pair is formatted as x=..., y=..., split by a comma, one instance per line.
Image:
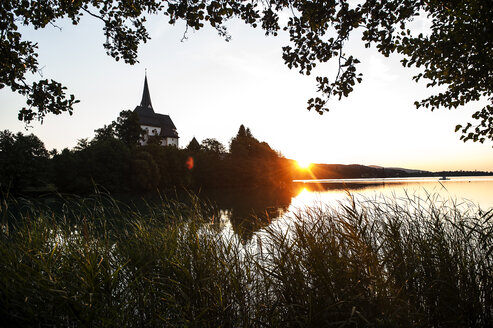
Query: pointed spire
x=146, y=97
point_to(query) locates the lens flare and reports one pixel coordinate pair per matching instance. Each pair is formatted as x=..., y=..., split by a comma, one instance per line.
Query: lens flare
x=303, y=164
x=189, y=163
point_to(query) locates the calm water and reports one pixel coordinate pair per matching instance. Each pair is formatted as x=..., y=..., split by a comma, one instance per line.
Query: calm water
x=475, y=190
x=246, y=212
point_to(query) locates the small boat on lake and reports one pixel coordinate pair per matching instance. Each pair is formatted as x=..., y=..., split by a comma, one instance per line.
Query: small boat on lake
x=444, y=178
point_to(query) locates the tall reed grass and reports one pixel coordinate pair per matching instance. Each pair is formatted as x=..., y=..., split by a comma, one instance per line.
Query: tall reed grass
x=379, y=263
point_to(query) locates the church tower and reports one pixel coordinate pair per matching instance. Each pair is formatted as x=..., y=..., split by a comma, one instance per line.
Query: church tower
x=154, y=124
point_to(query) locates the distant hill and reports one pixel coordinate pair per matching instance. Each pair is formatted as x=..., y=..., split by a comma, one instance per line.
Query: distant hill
x=342, y=171
x=355, y=171
x=414, y=171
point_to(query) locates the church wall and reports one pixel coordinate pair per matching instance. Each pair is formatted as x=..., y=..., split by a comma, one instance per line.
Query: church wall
x=151, y=130
x=172, y=142
x=155, y=131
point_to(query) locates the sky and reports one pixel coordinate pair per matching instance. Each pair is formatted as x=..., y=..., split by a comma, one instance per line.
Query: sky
x=209, y=87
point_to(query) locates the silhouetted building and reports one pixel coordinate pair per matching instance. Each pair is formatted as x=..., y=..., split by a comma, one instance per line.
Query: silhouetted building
x=156, y=125
x=193, y=145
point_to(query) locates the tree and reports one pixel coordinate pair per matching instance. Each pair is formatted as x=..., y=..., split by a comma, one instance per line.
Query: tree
x=242, y=144
x=144, y=172
x=23, y=162
x=126, y=128
x=241, y=132
x=456, y=53
x=171, y=163
x=84, y=142
x=212, y=145
x=255, y=163
x=106, y=132
x=103, y=162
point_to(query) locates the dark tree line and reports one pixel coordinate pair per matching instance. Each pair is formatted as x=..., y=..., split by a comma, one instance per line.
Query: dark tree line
x=24, y=162
x=113, y=160
x=249, y=163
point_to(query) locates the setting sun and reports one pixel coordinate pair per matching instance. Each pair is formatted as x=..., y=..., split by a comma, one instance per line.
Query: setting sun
x=302, y=164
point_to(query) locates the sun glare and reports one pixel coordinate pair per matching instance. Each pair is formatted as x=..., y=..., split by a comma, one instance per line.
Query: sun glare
x=303, y=164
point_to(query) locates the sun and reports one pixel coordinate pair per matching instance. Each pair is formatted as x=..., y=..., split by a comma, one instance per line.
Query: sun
x=303, y=164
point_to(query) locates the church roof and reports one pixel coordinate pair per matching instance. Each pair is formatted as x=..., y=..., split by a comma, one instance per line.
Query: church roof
x=193, y=145
x=147, y=116
x=146, y=97
x=168, y=129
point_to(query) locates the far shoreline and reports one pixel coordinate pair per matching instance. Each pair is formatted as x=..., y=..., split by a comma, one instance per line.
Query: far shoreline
x=458, y=178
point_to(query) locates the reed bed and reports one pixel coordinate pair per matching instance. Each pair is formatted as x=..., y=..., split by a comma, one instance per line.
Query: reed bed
x=376, y=263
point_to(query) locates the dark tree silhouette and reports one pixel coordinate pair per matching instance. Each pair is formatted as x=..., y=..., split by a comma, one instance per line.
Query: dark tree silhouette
x=23, y=162
x=193, y=146
x=456, y=53
x=106, y=132
x=102, y=162
x=254, y=163
x=171, y=163
x=144, y=173
x=242, y=144
x=110, y=163
x=241, y=132
x=125, y=128
x=213, y=146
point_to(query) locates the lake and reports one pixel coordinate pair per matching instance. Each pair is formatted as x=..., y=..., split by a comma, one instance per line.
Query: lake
x=247, y=211
x=475, y=190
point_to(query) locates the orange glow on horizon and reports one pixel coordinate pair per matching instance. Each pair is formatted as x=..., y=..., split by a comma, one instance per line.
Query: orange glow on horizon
x=302, y=164
x=305, y=169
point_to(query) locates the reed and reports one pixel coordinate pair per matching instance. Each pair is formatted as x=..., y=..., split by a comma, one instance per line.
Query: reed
x=380, y=262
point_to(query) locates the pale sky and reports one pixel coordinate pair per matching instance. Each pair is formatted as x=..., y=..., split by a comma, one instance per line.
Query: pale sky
x=209, y=87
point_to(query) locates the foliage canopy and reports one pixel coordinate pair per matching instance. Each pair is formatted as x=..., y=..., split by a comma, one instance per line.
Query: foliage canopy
x=457, y=53
x=23, y=162
x=125, y=128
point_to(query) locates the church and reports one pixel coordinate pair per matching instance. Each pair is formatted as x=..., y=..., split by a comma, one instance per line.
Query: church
x=154, y=124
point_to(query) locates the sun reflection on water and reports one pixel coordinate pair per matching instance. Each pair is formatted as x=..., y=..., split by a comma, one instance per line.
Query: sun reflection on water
x=475, y=190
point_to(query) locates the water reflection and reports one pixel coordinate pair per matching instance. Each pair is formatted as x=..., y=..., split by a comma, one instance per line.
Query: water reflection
x=251, y=210
x=248, y=210
x=337, y=186
x=476, y=190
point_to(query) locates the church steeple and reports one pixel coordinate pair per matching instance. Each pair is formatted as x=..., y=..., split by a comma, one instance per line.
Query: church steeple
x=155, y=124
x=146, y=97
